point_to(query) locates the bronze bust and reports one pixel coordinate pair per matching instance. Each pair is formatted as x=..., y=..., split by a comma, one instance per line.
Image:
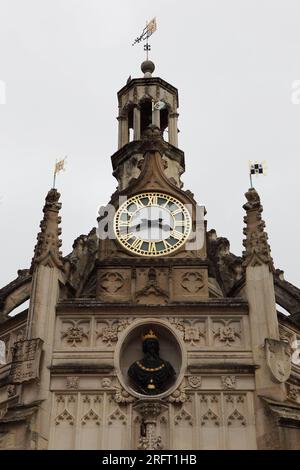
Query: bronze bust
x=151, y=374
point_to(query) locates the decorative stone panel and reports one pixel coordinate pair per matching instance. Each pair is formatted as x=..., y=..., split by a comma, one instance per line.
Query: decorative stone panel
x=189, y=284
x=114, y=285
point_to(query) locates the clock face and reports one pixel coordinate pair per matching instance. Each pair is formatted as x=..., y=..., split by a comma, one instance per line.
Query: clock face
x=152, y=224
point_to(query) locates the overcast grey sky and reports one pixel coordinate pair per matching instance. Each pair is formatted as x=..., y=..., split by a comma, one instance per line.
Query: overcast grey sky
x=233, y=62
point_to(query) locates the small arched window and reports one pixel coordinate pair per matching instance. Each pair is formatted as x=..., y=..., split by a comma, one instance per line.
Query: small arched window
x=146, y=114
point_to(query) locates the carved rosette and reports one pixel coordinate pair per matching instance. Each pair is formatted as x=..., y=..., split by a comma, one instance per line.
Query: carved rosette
x=257, y=250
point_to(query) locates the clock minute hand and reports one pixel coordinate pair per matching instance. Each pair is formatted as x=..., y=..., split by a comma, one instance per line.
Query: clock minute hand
x=146, y=223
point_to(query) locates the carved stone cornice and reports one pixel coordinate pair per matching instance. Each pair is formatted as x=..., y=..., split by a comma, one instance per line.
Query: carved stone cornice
x=46, y=251
x=149, y=81
x=257, y=251
x=145, y=145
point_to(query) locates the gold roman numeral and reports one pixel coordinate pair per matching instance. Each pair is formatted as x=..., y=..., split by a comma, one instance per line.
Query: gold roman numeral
x=136, y=245
x=152, y=199
x=126, y=236
x=176, y=234
x=152, y=247
x=177, y=211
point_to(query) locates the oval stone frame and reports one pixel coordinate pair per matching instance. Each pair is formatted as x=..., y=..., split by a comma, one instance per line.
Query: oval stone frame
x=129, y=349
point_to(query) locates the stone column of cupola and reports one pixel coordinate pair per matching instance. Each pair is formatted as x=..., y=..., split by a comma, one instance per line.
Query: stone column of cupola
x=136, y=123
x=173, y=131
x=156, y=117
x=123, y=131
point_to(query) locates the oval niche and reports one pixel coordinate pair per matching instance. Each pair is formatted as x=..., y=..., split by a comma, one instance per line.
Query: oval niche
x=129, y=350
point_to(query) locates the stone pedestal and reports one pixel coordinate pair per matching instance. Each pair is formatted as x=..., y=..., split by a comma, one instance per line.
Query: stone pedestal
x=149, y=410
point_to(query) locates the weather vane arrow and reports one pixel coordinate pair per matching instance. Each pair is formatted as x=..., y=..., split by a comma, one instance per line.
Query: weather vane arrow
x=149, y=29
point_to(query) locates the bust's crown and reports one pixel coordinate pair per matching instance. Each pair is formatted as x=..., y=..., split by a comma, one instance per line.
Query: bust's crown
x=149, y=335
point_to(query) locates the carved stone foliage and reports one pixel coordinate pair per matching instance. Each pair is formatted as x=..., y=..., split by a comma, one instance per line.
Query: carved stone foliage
x=47, y=251
x=194, y=381
x=75, y=333
x=293, y=393
x=210, y=331
x=122, y=397
x=93, y=332
x=192, y=282
x=26, y=356
x=109, y=331
x=193, y=331
x=278, y=355
x=287, y=335
x=11, y=391
x=178, y=397
x=227, y=332
x=257, y=250
x=150, y=443
x=228, y=381
x=72, y=383
x=149, y=412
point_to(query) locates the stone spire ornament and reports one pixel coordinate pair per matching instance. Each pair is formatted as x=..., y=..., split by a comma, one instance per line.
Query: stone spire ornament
x=46, y=251
x=257, y=251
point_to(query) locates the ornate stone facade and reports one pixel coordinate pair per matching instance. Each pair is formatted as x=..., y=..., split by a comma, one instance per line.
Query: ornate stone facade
x=213, y=314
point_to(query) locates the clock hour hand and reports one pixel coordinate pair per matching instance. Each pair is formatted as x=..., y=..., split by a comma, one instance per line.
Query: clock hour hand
x=146, y=223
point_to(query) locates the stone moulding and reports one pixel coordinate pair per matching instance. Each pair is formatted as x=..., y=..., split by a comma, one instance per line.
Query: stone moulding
x=211, y=304
x=154, y=322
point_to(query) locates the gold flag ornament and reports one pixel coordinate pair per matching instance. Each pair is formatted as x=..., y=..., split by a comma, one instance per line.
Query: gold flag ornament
x=152, y=26
x=59, y=166
x=149, y=29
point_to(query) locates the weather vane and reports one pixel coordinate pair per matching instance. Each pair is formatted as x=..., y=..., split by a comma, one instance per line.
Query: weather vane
x=149, y=29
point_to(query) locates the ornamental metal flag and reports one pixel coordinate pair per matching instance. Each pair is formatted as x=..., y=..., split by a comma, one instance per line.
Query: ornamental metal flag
x=149, y=29
x=158, y=105
x=256, y=169
x=151, y=26
x=59, y=166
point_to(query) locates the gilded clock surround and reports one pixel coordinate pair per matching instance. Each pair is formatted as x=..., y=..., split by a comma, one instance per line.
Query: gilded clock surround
x=179, y=224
